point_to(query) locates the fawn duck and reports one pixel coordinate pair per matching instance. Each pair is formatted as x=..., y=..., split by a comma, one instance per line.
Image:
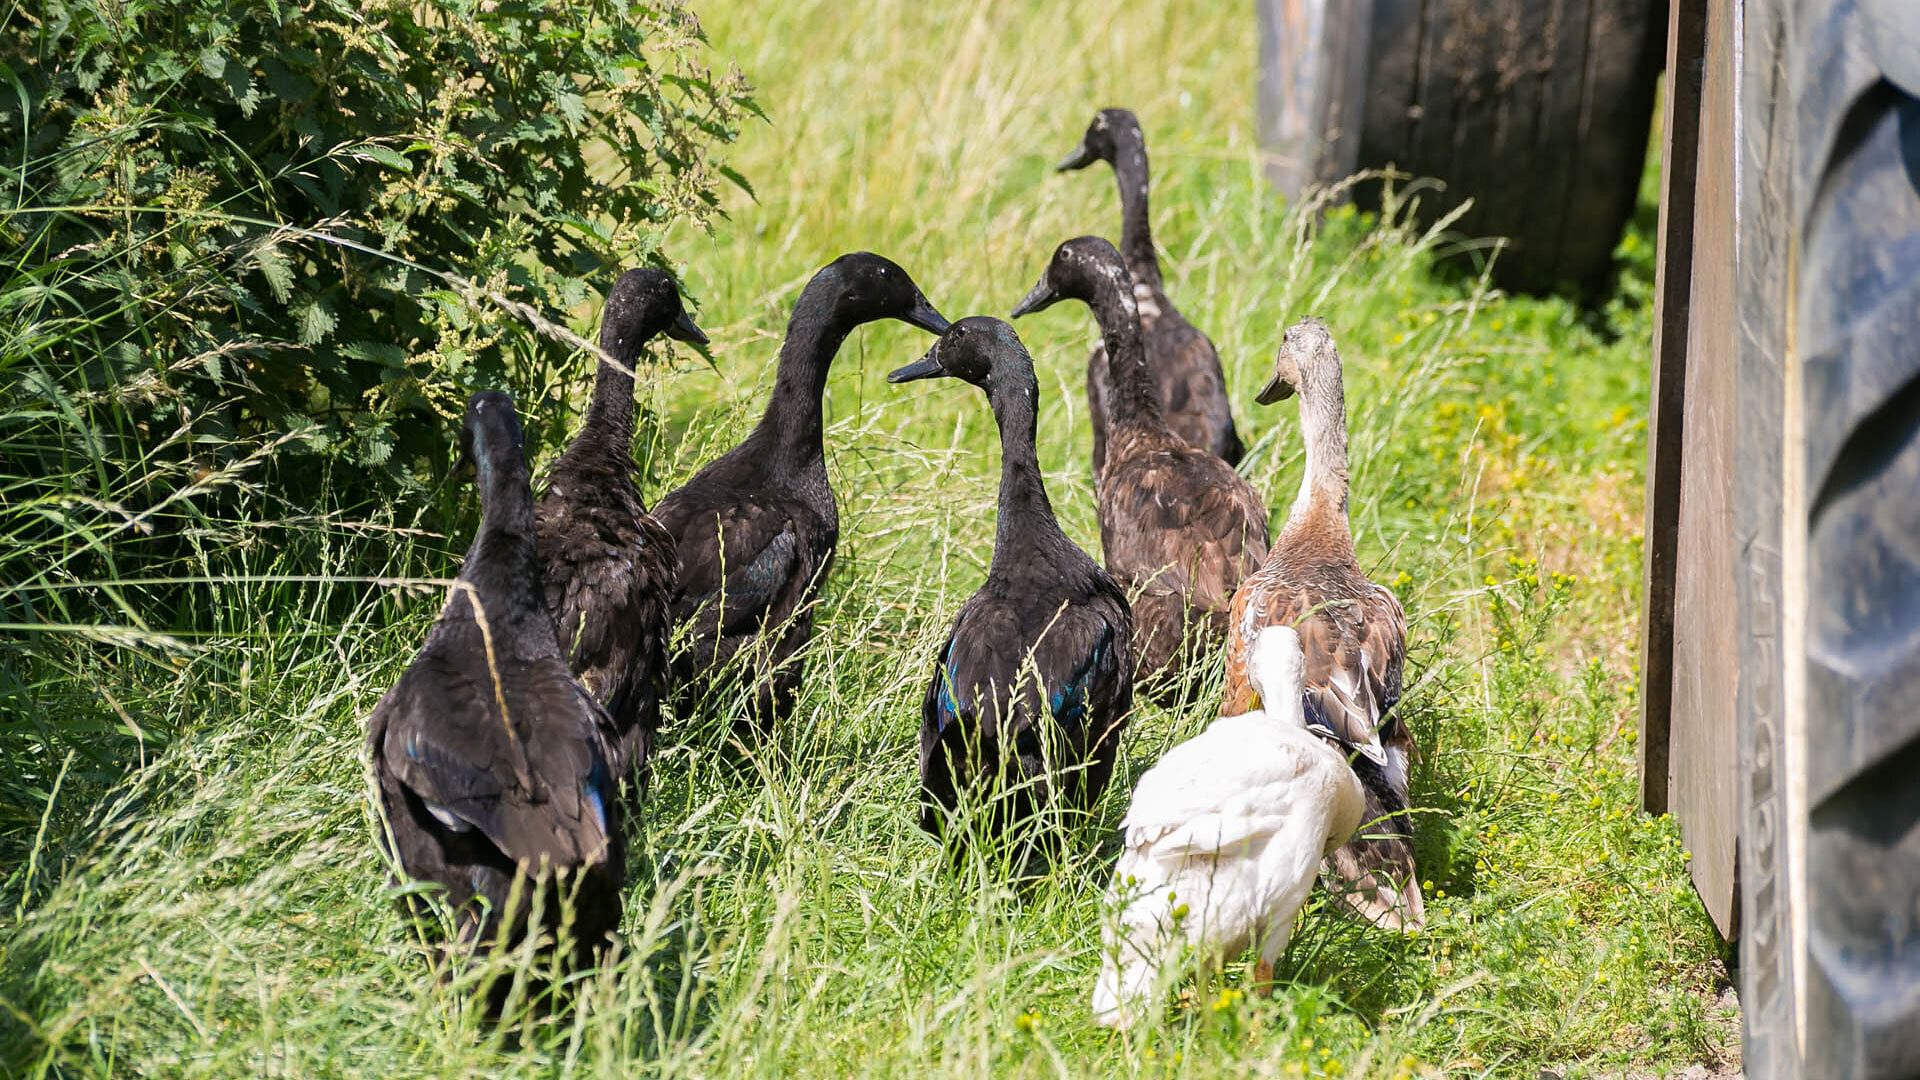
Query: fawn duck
x=755, y=529
x=1033, y=687
x=1179, y=526
x=1186, y=370
x=1353, y=632
x=608, y=565
x=488, y=757
x=1225, y=835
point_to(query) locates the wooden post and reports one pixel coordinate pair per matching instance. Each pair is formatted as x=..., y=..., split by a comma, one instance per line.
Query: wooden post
x=1679, y=157
x=1313, y=89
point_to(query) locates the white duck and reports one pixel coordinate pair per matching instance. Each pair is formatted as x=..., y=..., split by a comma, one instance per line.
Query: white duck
x=1225, y=835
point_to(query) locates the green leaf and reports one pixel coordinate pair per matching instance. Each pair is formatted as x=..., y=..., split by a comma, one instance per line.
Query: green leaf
x=273, y=266
x=387, y=156
x=314, y=322
x=737, y=181
x=378, y=352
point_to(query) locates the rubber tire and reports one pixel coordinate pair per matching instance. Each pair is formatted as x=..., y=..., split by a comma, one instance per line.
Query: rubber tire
x=1858, y=331
x=1832, y=162
x=1537, y=110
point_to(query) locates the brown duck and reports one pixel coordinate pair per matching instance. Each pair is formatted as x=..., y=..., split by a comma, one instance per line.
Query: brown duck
x=1352, y=632
x=608, y=566
x=1187, y=378
x=1180, y=528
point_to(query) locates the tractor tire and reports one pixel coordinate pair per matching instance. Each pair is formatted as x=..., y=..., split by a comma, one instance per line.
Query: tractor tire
x=1829, y=513
x=1536, y=110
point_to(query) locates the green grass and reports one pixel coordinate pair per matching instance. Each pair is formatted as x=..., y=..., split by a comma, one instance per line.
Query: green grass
x=223, y=912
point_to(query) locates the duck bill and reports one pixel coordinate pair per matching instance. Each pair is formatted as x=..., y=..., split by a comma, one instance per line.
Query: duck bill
x=1042, y=297
x=1277, y=389
x=923, y=316
x=1081, y=157
x=683, y=329
x=927, y=367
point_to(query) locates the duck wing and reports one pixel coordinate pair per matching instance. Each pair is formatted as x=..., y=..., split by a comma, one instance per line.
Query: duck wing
x=1193, y=388
x=1084, y=661
x=1376, y=869
x=1084, y=665
x=608, y=577
x=738, y=569
x=539, y=789
x=1176, y=517
x=1216, y=791
x=980, y=661
x=962, y=715
x=1355, y=652
x=1339, y=692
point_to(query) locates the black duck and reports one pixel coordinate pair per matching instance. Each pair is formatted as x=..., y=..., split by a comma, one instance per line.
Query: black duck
x=756, y=528
x=1035, y=682
x=608, y=565
x=489, y=759
x=1180, y=528
x=1191, y=387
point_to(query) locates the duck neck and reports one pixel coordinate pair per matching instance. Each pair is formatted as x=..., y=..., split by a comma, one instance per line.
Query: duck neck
x=1026, y=516
x=1323, y=490
x=794, y=418
x=1135, y=402
x=609, y=421
x=501, y=564
x=1136, y=234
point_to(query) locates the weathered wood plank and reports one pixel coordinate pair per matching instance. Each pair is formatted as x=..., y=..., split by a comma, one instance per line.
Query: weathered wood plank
x=1703, y=762
x=1679, y=155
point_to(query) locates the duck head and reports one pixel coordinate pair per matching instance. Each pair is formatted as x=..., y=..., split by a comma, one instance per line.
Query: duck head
x=1306, y=353
x=642, y=304
x=491, y=441
x=1100, y=142
x=866, y=288
x=969, y=350
x=1277, y=668
x=1078, y=268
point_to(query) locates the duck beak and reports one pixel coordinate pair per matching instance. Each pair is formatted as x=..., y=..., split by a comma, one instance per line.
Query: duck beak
x=927, y=367
x=1081, y=157
x=683, y=329
x=463, y=465
x=923, y=316
x=1042, y=297
x=1277, y=389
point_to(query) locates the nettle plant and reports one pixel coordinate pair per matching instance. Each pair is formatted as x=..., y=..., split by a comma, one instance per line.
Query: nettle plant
x=301, y=233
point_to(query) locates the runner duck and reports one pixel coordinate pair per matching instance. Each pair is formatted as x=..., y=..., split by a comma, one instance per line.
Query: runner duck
x=1224, y=837
x=1192, y=389
x=1353, y=632
x=488, y=758
x=1179, y=526
x=608, y=565
x=755, y=529
x=1035, y=682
